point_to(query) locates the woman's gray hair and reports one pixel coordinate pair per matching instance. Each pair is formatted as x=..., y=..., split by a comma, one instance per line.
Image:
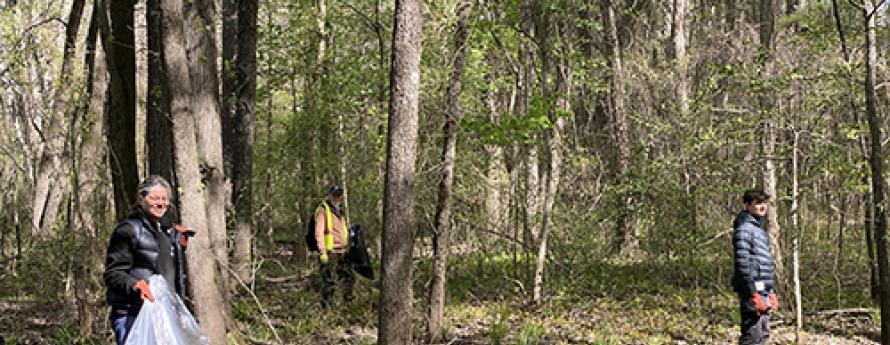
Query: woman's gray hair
x=150, y=182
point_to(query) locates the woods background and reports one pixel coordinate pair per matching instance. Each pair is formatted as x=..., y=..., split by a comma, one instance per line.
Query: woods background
x=570, y=168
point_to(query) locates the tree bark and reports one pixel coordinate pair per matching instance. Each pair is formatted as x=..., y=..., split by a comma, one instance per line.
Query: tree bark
x=678, y=48
x=228, y=77
x=877, y=170
x=796, y=228
x=158, y=125
x=625, y=242
x=201, y=38
x=205, y=280
x=398, y=210
x=88, y=179
x=118, y=43
x=241, y=135
x=50, y=184
x=442, y=232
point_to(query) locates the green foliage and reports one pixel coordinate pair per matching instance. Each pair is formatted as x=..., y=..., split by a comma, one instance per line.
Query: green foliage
x=498, y=327
x=531, y=334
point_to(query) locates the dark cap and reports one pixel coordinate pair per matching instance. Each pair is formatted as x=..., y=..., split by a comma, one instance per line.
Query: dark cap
x=336, y=190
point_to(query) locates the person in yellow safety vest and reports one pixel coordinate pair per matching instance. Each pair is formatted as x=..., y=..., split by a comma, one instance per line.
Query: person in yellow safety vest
x=333, y=243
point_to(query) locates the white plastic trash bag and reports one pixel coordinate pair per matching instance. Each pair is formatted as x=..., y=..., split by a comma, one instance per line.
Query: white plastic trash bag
x=166, y=321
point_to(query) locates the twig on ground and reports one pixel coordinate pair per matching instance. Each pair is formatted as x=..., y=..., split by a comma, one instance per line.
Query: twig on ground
x=255, y=299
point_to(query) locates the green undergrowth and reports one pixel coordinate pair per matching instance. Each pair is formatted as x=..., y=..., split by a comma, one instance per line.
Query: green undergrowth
x=658, y=301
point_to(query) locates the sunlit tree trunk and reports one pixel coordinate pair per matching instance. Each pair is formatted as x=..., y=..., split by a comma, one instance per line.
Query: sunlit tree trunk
x=205, y=280
x=396, y=293
x=51, y=184
x=796, y=228
x=201, y=38
x=554, y=170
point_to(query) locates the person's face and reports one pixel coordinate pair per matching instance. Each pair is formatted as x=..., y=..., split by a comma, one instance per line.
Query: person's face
x=337, y=198
x=757, y=208
x=156, y=202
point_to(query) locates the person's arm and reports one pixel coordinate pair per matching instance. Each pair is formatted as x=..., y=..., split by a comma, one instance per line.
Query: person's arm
x=119, y=260
x=744, y=265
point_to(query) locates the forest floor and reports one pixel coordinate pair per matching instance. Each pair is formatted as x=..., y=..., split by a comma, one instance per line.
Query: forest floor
x=488, y=307
x=485, y=307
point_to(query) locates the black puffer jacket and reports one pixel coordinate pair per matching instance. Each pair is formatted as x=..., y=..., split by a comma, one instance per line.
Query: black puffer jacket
x=139, y=248
x=753, y=256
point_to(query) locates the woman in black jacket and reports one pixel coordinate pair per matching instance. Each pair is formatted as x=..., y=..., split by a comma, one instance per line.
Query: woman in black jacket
x=142, y=245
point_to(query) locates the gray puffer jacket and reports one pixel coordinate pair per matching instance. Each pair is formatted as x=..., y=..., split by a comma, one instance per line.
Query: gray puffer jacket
x=753, y=256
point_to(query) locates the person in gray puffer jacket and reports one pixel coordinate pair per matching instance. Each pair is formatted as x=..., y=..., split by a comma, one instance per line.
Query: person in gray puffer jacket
x=753, y=277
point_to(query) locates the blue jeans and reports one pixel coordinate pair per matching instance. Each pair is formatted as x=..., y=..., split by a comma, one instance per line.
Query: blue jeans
x=122, y=324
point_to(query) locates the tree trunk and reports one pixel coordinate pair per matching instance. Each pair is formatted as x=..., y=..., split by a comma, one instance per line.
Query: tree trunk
x=201, y=38
x=87, y=181
x=877, y=172
x=678, y=48
x=552, y=175
x=118, y=43
x=203, y=270
x=770, y=178
x=398, y=210
x=228, y=77
x=158, y=126
x=442, y=232
x=796, y=228
x=241, y=136
x=625, y=243
x=867, y=195
x=50, y=183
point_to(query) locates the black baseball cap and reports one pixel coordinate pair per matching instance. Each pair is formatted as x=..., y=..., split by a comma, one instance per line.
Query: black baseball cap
x=336, y=190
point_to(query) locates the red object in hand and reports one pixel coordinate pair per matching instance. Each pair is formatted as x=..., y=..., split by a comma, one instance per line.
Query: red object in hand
x=759, y=304
x=773, y=301
x=184, y=234
x=144, y=291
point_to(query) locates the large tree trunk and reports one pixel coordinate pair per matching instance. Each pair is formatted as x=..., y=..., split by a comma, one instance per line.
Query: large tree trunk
x=201, y=38
x=398, y=209
x=158, y=125
x=625, y=242
x=203, y=269
x=87, y=181
x=877, y=170
x=442, y=232
x=118, y=42
x=241, y=135
x=50, y=183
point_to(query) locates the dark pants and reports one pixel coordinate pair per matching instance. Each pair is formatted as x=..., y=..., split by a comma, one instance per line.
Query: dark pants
x=754, y=328
x=122, y=322
x=337, y=270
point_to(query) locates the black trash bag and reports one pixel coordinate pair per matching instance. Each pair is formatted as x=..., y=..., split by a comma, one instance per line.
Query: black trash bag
x=358, y=253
